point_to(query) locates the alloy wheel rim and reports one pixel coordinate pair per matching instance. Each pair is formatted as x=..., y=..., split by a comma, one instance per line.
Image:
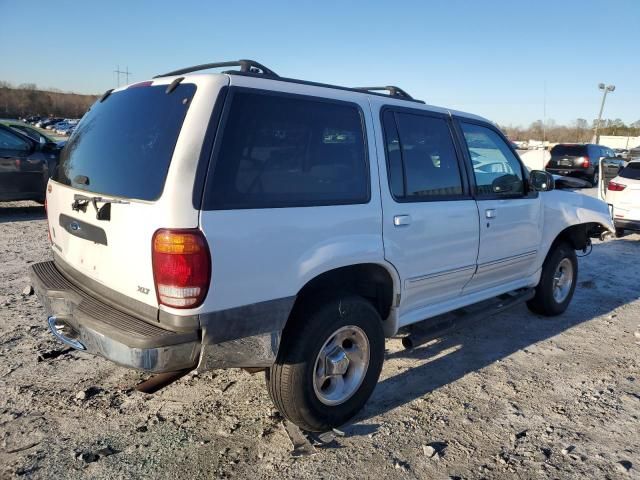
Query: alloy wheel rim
x=562, y=280
x=341, y=365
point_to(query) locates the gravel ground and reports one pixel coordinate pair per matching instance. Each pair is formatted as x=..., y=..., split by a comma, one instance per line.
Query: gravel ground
x=512, y=396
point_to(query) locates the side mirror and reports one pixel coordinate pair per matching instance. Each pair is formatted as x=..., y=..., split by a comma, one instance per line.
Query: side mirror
x=541, y=181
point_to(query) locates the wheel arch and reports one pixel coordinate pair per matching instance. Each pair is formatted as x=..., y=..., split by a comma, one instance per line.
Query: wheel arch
x=378, y=283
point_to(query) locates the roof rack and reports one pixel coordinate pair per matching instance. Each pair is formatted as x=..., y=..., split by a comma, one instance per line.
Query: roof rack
x=393, y=91
x=253, y=68
x=246, y=66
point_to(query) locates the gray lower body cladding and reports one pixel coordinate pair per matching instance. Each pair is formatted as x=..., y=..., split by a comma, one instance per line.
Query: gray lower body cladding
x=247, y=336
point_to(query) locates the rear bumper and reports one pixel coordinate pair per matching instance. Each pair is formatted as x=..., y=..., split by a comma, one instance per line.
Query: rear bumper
x=572, y=172
x=88, y=324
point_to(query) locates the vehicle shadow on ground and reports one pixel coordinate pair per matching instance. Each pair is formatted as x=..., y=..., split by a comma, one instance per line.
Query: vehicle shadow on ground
x=474, y=344
x=21, y=213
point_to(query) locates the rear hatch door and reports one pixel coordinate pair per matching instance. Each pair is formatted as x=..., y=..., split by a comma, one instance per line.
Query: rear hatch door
x=103, y=203
x=568, y=156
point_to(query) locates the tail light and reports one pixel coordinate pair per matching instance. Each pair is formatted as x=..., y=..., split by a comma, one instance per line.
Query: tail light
x=616, y=187
x=585, y=162
x=181, y=267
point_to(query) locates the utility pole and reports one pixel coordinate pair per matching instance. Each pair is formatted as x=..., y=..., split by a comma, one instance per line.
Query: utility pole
x=607, y=89
x=126, y=74
x=544, y=116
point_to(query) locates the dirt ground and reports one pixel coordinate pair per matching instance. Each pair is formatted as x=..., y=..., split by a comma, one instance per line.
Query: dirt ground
x=512, y=396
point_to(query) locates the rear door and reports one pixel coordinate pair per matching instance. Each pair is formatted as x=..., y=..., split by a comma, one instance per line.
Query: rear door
x=430, y=220
x=126, y=172
x=510, y=214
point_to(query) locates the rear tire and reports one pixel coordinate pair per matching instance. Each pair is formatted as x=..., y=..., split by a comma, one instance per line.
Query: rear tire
x=619, y=232
x=307, y=383
x=557, y=282
x=595, y=179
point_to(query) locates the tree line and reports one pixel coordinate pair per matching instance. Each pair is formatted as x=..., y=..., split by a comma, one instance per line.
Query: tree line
x=579, y=131
x=26, y=99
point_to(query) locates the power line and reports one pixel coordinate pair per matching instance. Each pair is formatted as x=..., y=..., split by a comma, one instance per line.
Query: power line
x=126, y=73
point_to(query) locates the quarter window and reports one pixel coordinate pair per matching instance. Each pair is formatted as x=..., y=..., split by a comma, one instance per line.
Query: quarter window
x=421, y=157
x=496, y=169
x=286, y=151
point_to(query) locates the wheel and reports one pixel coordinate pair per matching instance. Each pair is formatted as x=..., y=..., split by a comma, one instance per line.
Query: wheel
x=557, y=282
x=619, y=232
x=595, y=179
x=328, y=364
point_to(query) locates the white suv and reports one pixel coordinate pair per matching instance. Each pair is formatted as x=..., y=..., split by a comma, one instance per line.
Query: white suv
x=242, y=219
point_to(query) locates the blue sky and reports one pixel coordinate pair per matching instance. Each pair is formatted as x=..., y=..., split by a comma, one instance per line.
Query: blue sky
x=488, y=57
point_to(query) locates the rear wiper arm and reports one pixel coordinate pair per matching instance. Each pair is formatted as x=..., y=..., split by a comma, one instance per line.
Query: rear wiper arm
x=80, y=203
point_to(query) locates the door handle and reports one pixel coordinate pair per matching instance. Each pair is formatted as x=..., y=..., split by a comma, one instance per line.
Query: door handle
x=490, y=213
x=402, y=220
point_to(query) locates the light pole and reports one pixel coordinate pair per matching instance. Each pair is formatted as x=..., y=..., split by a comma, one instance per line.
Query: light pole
x=607, y=89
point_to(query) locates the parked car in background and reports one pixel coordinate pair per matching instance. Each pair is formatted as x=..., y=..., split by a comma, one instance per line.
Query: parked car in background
x=578, y=160
x=634, y=154
x=293, y=234
x=32, y=119
x=623, y=196
x=621, y=153
x=63, y=127
x=25, y=165
x=48, y=121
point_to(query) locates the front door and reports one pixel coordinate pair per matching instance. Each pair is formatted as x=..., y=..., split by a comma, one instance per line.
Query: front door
x=509, y=210
x=430, y=220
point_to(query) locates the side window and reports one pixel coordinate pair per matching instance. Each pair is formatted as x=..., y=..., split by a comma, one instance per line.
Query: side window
x=13, y=143
x=285, y=151
x=497, y=171
x=421, y=157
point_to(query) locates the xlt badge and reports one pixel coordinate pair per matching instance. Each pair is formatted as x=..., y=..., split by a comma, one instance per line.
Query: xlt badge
x=143, y=290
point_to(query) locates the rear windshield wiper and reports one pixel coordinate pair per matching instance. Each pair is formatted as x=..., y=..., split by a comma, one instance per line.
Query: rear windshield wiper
x=80, y=203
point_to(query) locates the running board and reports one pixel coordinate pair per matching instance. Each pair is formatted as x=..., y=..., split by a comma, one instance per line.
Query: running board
x=432, y=328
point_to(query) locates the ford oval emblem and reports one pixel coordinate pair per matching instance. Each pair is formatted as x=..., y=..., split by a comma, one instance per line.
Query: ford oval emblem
x=75, y=226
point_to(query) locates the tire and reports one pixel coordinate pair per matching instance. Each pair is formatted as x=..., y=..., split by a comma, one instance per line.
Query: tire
x=619, y=232
x=595, y=179
x=305, y=399
x=561, y=259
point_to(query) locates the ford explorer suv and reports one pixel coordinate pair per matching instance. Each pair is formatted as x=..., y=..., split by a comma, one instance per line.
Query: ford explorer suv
x=243, y=219
x=578, y=160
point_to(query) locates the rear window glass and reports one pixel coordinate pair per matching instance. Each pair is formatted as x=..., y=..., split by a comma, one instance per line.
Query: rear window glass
x=288, y=151
x=123, y=146
x=631, y=171
x=569, y=150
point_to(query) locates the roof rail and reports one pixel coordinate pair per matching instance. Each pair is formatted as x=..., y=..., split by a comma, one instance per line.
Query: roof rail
x=393, y=91
x=246, y=66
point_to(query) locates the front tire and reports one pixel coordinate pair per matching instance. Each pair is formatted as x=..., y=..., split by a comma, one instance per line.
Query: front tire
x=557, y=282
x=328, y=364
